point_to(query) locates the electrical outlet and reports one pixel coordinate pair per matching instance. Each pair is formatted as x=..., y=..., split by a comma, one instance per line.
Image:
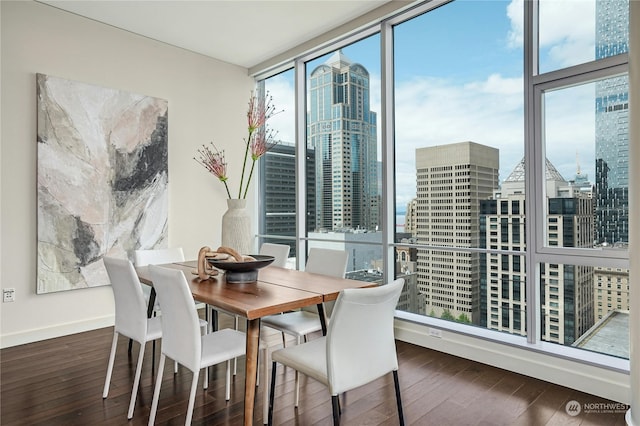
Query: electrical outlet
x=8, y=295
x=435, y=332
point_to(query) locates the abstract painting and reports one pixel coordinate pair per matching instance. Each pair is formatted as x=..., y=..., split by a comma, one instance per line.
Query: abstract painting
x=102, y=179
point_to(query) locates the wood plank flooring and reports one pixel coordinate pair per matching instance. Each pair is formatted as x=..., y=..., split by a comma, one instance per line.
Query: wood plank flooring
x=60, y=381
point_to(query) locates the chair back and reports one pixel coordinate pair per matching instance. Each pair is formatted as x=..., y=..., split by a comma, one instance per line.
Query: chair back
x=360, y=339
x=158, y=256
x=181, y=340
x=326, y=262
x=279, y=251
x=131, y=309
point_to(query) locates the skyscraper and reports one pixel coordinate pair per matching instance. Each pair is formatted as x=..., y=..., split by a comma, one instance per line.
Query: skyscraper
x=566, y=291
x=278, y=180
x=342, y=130
x=452, y=180
x=612, y=127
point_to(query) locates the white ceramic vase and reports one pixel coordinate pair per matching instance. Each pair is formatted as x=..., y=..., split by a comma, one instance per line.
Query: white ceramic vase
x=236, y=226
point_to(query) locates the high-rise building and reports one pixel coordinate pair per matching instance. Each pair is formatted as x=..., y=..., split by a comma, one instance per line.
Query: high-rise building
x=611, y=291
x=612, y=127
x=278, y=180
x=566, y=291
x=342, y=130
x=451, y=181
x=411, y=217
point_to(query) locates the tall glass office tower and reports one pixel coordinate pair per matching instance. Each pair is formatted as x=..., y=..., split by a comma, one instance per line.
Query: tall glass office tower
x=612, y=127
x=342, y=129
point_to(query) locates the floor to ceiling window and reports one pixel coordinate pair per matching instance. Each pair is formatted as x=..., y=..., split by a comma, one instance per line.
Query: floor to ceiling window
x=508, y=180
x=343, y=189
x=277, y=201
x=459, y=147
x=581, y=97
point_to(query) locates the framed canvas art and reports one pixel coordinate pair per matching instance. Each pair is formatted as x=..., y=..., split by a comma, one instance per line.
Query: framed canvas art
x=102, y=183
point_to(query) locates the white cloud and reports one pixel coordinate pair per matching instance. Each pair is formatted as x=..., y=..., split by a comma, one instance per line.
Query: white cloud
x=570, y=130
x=432, y=111
x=515, y=12
x=567, y=31
x=282, y=90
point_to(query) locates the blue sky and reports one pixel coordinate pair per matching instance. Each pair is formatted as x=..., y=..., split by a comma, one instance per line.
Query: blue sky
x=458, y=76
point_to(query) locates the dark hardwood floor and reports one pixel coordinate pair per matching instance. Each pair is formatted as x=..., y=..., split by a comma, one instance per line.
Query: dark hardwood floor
x=60, y=381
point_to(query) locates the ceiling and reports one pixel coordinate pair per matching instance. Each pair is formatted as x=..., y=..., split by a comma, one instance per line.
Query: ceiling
x=240, y=32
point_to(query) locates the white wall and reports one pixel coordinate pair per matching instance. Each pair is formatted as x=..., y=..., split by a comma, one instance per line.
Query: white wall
x=207, y=101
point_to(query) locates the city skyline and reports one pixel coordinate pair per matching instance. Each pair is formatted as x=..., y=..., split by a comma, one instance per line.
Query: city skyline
x=486, y=72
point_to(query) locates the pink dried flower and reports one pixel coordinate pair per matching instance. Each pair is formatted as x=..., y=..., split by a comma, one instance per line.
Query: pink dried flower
x=260, y=110
x=259, y=141
x=213, y=160
x=262, y=142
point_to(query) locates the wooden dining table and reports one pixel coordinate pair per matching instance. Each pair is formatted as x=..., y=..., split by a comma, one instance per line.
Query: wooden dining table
x=276, y=290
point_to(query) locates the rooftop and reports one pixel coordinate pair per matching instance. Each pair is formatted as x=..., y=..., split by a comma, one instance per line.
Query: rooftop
x=609, y=336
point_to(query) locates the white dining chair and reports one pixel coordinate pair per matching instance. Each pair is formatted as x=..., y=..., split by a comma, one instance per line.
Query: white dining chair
x=280, y=252
x=145, y=257
x=359, y=346
x=158, y=257
x=305, y=321
x=182, y=341
x=131, y=318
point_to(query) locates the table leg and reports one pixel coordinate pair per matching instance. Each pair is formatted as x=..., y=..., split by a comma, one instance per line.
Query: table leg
x=323, y=319
x=251, y=369
x=152, y=302
x=150, y=306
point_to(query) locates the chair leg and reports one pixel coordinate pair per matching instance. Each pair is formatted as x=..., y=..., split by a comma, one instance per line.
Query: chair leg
x=272, y=391
x=335, y=403
x=264, y=364
x=259, y=369
x=136, y=382
x=227, y=394
x=156, y=391
x=112, y=357
x=235, y=360
x=192, y=397
x=398, y=399
x=297, y=390
x=206, y=378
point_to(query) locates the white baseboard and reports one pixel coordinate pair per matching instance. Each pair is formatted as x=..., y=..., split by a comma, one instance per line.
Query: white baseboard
x=609, y=383
x=36, y=335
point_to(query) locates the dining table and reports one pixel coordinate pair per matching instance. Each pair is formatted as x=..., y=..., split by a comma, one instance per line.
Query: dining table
x=276, y=290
